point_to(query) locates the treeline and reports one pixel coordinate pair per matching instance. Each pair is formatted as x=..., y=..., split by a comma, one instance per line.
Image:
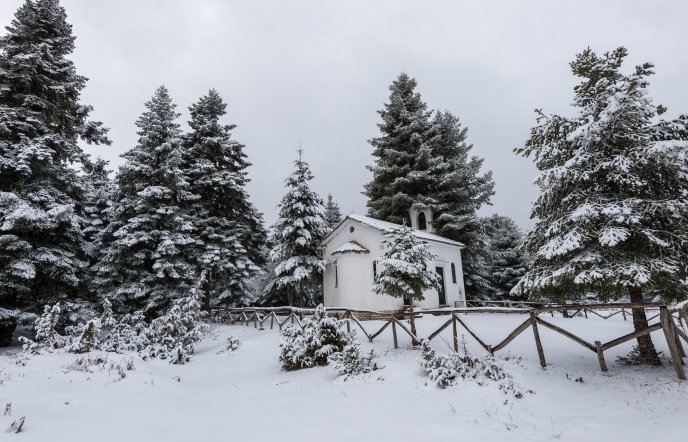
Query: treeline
x=611, y=218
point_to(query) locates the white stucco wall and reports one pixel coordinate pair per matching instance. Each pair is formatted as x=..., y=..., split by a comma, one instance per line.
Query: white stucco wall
x=355, y=272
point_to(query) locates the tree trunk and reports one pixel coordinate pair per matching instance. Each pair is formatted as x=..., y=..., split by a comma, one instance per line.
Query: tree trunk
x=414, y=342
x=301, y=296
x=646, y=348
x=290, y=295
x=206, y=288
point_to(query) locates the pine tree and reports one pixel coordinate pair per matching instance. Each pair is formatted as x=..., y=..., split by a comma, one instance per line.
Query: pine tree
x=405, y=273
x=333, y=215
x=296, y=236
x=42, y=257
x=613, y=208
x=149, y=252
x=423, y=161
x=457, y=191
x=505, y=262
x=229, y=226
x=100, y=191
x=401, y=152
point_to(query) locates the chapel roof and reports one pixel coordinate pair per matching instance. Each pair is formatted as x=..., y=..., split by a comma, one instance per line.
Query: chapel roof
x=385, y=227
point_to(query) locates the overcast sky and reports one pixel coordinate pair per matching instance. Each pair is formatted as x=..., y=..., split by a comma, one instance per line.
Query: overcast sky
x=315, y=73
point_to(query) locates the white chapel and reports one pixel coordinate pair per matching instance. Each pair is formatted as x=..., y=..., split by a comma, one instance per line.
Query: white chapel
x=352, y=249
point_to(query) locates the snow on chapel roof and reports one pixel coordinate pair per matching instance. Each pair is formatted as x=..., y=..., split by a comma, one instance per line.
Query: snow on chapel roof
x=385, y=226
x=350, y=247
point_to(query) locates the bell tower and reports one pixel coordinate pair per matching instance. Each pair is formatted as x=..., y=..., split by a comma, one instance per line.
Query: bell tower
x=421, y=219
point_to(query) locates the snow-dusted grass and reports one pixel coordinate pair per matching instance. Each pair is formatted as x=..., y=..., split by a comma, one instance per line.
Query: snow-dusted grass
x=244, y=395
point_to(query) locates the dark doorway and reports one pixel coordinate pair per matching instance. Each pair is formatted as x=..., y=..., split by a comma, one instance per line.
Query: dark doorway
x=440, y=289
x=422, y=222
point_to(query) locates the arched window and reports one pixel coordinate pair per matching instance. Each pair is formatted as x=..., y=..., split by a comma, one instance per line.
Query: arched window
x=374, y=270
x=453, y=270
x=336, y=276
x=422, y=223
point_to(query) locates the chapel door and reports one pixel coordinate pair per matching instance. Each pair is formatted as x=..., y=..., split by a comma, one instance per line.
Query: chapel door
x=440, y=289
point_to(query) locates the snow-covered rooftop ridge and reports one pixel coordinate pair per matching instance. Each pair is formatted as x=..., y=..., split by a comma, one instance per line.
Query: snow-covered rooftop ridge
x=350, y=247
x=385, y=226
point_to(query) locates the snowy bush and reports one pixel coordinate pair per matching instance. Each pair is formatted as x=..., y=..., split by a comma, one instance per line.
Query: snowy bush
x=127, y=334
x=350, y=362
x=312, y=345
x=47, y=338
x=232, y=344
x=173, y=336
x=447, y=370
x=87, y=337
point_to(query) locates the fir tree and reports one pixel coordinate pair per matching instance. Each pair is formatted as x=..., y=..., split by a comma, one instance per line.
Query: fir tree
x=613, y=208
x=505, y=263
x=229, y=226
x=148, y=256
x=456, y=192
x=405, y=272
x=423, y=161
x=400, y=151
x=100, y=191
x=296, y=236
x=333, y=215
x=42, y=257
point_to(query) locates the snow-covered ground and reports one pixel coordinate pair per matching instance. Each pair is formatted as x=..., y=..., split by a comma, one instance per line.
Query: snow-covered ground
x=245, y=396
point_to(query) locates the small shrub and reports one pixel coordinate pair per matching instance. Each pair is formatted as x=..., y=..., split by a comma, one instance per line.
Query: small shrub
x=447, y=370
x=312, y=345
x=350, y=362
x=87, y=337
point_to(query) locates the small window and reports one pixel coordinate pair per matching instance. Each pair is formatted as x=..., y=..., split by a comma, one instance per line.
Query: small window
x=336, y=276
x=453, y=270
x=351, y=229
x=422, y=222
x=374, y=270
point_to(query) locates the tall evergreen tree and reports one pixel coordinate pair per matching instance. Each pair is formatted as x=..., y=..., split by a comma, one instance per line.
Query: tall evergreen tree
x=333, y=215
x=401, y=151
x=100, y=191
x=296, y=236
x=456, y=192
x=149, y=250
x=424, y=161
x=42, y=256
x=613, y=208
x=505, y=263
x=229, y=226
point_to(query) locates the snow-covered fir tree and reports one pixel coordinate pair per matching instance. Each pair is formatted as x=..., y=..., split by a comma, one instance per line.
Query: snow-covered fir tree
x=404, y=268
x=404, y=133
x=100, y=191
x=229, y=226
x=458, y=189
x=42, y=255
x=296, y=236
x=423, y=161
x=149, y=251
x=613, y=209
x=504, y=261
x=333, y=214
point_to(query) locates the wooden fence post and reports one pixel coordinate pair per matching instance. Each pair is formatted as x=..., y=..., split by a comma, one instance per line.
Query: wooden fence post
x=394, y=333
x=454, y=334
x=272, y=319
x=585, y=312
x=600, y=356
x=669, y=334
x=623, y=313
x=538, y=344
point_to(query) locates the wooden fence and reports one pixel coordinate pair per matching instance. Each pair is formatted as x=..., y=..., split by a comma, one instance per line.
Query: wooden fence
x=672, y=321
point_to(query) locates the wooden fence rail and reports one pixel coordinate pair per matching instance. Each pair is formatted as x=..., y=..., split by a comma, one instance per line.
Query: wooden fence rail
x=669, y=317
